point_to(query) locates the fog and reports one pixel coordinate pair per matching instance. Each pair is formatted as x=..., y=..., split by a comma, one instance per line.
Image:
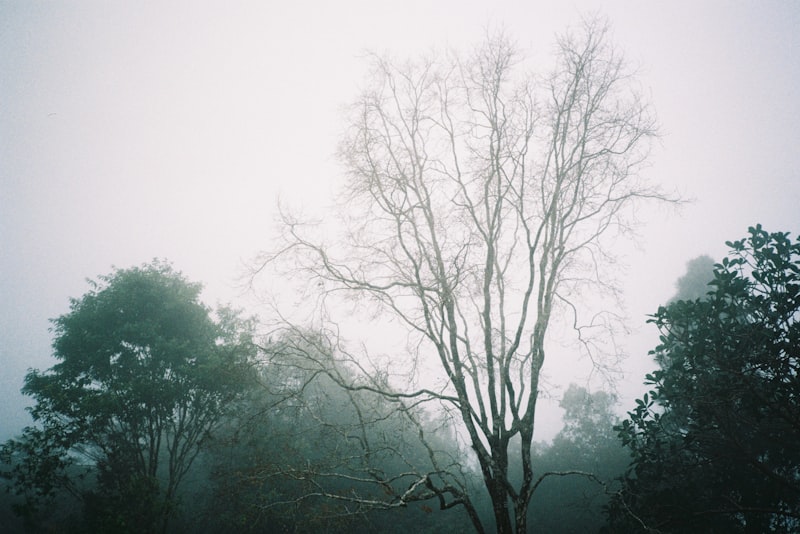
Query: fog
x=133, y=131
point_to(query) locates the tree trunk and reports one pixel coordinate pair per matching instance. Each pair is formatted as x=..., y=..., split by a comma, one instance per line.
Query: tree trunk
x=521, y=516
x=503, y=520
x=500, y=508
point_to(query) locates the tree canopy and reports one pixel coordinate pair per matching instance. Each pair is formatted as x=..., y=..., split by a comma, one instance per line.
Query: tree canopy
x=694, y=284
x=582, y=463
x=305, y=454
x=478, y=201
x=715, y=443
x=144, y=374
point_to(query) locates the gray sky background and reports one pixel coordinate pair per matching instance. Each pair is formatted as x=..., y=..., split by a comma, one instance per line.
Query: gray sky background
x=134, y=130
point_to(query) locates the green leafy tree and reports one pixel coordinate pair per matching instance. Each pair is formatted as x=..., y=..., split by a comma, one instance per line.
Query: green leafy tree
x=144, y=375
x=588, y=419
x=715, y=443
x=307, y=454
x=695, y=283
x=578, y=469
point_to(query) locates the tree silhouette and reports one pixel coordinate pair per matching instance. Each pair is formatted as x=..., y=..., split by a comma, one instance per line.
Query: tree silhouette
x=477, y=207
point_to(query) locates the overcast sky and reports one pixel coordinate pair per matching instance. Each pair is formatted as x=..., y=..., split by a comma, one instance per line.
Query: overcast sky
x=134, y=130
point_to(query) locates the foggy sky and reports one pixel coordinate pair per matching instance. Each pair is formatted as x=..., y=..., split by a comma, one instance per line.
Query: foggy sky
x=133, y=130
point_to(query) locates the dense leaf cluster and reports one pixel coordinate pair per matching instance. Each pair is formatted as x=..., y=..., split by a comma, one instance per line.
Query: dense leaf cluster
x=715, y=443
x=143, y=375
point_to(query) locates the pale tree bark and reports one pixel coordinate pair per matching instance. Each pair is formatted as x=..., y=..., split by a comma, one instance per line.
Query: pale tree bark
x=476, y=196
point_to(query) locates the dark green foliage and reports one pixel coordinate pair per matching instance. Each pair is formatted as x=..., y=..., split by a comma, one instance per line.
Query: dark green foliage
x=143, y=375
x=306, y=454
x=11, y=522
x=715, y=444
x=587, y=443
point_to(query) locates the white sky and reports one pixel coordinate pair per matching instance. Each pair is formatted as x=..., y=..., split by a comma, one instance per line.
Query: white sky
x=133, y=130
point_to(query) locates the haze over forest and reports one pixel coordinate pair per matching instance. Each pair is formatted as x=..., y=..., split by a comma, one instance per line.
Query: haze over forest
x=167, y=131
x=175, y=131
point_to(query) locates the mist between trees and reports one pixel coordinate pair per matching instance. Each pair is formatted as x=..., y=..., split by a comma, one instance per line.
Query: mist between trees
x=481, y=206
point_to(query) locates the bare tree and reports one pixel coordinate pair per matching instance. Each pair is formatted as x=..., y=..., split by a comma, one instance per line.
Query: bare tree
x=478, y=200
